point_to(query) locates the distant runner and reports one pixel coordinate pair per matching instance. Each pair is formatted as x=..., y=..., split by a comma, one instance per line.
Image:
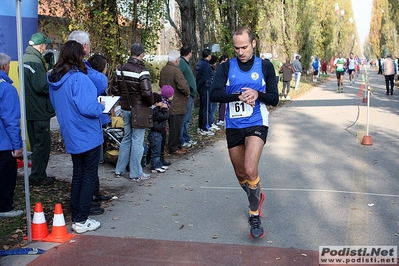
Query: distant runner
x=339, y=64
x=351, y=62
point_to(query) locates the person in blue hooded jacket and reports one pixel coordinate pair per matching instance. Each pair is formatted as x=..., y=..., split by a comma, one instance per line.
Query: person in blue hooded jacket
x=74, y=98
x=99, y=79
x=10, y=139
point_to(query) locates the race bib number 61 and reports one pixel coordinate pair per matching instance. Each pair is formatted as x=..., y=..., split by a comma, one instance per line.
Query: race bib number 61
x=240, y=109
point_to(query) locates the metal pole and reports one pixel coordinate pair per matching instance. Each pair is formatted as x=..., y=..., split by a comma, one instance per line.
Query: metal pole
x=368, y=111
x=23, y=115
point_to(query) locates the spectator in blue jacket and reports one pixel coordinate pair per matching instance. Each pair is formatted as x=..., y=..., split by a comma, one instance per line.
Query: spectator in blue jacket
x=10, y=139
x=74, y=98
x=96, y=73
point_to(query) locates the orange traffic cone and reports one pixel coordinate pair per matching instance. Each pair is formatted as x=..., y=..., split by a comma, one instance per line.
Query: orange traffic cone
x=39, y=225
x=59, y=232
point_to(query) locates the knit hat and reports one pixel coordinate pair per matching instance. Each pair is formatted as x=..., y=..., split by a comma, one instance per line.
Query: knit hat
x=157, y=97
x=38, y=38
x=167, y=91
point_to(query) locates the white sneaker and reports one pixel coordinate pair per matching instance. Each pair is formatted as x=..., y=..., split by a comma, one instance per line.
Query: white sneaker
x=192, y=142
x=288, y=98
x=220, y=123
x=143, y=177
x=206, y=133
x=186, y=145
x=12, y=213
x=88, y=225
x=215, y=127
x=158, y=170
x=164, y=167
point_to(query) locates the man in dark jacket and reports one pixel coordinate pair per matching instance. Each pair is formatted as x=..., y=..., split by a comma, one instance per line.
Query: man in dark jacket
x=134, y=78
x=185, y=56
x=203, y=71
x=39, y=110
x=172, y=75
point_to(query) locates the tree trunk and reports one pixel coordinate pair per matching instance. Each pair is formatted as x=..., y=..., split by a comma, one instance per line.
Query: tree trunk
x=188, y=29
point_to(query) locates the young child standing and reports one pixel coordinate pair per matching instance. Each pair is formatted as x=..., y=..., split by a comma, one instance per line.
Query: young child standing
x=160, y=113
x=167, y=93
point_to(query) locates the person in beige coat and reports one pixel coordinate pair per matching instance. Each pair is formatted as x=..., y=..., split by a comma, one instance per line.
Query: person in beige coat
x=172, y=75
x=389, y=72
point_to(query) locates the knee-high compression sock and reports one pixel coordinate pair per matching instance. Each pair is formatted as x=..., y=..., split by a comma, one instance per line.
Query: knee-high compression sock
x=254, y=196
x=244, y=185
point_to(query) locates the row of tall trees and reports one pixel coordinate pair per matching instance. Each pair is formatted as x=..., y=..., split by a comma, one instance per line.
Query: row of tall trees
x=307, y=27
x=383, y=37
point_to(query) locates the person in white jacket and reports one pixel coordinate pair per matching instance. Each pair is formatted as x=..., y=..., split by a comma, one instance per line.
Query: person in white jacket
x=389, y=73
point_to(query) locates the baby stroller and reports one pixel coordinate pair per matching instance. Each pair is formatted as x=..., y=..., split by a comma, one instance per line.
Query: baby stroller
x=113, y=137
x=112, y=141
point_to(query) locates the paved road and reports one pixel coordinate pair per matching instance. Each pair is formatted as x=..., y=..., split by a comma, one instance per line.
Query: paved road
x=322, y=186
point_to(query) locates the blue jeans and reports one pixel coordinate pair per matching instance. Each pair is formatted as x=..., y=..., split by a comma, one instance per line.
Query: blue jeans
x=131, y=149
x=214, y=106
x=184, y=136
x=155, y=139
x=84, y=177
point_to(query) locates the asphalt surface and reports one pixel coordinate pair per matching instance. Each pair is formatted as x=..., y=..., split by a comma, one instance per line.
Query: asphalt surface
x=322, y=187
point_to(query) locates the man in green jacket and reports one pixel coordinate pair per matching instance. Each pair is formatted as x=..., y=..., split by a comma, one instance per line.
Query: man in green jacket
x=185, y=56
x=39, y=110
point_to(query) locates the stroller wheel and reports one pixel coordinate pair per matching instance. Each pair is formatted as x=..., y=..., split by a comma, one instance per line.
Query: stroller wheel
x=143, y=162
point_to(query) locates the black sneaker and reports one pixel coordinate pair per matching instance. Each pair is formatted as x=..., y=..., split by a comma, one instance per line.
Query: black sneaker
x=96, y=210
x=256, y=230
x=95, y=204
x=47, y=181
x=165, y=163
x=101, y=197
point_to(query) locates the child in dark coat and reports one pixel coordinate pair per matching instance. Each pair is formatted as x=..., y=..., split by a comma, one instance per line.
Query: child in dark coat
x=160, y=113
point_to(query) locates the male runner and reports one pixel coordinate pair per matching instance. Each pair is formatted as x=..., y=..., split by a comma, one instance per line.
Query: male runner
x=351, y=62
x=340, y=64
x=247, y=83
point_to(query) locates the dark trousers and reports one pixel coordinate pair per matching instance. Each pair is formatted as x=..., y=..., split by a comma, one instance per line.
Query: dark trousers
x=174, y=141
x=222, y=111
x=8, y=180
x=204, y=109
x=155, y=139
x=286, y=88
x=163, y=143
x=389, y=82
x=40, y=143
x=84, y=177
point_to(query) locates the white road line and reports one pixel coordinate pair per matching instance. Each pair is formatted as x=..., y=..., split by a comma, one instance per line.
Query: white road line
x=311, y=190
